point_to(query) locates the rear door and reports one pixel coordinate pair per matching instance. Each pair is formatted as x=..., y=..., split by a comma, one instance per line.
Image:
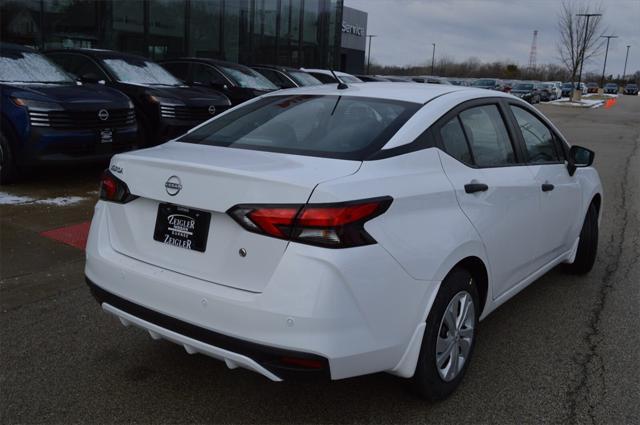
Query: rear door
x=560, y=196
x=494, y=188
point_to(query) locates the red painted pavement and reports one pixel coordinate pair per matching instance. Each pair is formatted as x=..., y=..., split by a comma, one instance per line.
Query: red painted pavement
x=74, y=235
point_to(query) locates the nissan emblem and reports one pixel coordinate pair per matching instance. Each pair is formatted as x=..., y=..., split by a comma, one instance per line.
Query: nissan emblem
x=173, y=185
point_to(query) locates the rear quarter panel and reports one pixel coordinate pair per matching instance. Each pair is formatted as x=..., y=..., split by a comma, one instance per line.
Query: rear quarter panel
x=424, y=228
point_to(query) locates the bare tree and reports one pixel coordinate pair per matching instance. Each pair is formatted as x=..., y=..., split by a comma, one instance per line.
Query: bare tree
x=578, y=43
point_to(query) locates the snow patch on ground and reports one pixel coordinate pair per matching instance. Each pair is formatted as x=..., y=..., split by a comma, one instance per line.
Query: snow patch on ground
x=584, y=103
x=603, y=94
x=60, y=201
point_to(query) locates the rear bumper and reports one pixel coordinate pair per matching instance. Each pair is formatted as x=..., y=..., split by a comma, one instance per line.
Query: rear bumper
x=355, y=309
x=235, y=352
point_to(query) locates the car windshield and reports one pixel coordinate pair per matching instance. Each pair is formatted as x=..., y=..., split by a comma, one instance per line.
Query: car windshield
x=484, y=83
x=632, y=86
x=523, y=87
x=304, y=79
x=324, y=126
x=592, y=85
x=248, y=78
x=349, y=78
x=567, y=85
x=30, y=67
x=611, y=85
x=140, y=71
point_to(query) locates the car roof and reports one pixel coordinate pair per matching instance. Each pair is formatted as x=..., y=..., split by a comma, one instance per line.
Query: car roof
x=101, y=53
x=278, y=67
x=409, y=92
x=324, y=71
x=205, y=60
x=15, y=48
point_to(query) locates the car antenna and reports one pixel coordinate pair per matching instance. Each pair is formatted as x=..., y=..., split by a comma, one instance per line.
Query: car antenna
x=341, y=84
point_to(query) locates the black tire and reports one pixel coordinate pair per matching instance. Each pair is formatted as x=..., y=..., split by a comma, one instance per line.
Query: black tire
x=426, y=381
x=588, y=245
x=8, y=168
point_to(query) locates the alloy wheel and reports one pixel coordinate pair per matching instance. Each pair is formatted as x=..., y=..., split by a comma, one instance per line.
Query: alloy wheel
x=455, y=336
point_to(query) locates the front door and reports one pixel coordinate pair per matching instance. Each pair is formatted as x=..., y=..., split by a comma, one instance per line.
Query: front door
x=560, y=196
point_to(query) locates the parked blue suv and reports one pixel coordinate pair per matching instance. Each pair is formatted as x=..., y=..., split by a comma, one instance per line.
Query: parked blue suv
x=48, y=118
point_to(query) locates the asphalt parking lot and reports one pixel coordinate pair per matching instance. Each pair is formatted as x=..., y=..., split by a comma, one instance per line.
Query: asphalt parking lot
x=564, y=350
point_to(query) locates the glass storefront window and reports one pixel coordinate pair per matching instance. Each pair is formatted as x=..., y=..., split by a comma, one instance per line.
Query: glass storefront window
x=204, y=28
x=126, y=32
x=286, y=32
x=21, y=21
x=166, y=28
x=70, y=23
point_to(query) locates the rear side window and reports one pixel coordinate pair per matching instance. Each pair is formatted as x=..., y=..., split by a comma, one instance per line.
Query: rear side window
x=537, y=137
x=204, y=74
x=454, y=142
x=488, y=136
x=326, y=126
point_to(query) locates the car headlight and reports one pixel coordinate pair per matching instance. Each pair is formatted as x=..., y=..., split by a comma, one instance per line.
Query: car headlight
x=164, y=101
x=36, y=104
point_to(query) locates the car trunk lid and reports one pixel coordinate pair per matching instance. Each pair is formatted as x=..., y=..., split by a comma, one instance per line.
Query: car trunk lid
x=212, y=180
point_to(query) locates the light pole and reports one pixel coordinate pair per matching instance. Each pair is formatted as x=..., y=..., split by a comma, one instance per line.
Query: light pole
x=433, y=58
x=584, y=47
x=606, y=52
x=369, y=54
x=624, y=73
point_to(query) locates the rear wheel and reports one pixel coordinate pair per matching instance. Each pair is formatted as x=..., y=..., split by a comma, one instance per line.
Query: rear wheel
x=588, y=245
x=8, y=168
x=449, y=338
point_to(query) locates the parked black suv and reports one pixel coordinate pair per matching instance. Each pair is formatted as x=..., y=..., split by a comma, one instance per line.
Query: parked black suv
x=611, y=88
x=47, y=117
x=527, y=91
x=285, y=77
x=165, y=107
x=238, y=82
x=631, y=89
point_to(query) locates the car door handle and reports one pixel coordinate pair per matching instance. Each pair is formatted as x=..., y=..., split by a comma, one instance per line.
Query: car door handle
x=547, y=187
x=475, y=187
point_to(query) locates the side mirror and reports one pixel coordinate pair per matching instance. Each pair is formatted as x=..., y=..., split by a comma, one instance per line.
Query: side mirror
x=90, y=77
x=579, y=157
x=219, y=86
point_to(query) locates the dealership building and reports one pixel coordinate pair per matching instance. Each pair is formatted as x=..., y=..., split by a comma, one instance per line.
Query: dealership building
x=308, y=33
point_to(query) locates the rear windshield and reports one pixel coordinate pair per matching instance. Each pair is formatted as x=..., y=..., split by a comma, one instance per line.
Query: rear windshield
x=342, y=127
x=523, y=87
x=484, y=83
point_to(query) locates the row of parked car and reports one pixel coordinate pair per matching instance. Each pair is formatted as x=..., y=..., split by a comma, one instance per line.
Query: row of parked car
x=64, y=106
x=71, y=105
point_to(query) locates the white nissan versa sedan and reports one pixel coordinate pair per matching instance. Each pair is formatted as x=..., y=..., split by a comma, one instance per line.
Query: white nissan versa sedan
x=343, y=231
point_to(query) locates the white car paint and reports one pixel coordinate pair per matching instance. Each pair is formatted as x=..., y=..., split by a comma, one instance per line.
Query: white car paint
x=363, y=308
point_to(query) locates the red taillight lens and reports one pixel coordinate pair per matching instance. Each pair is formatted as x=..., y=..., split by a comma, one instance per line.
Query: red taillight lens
x=113, y=189
x=330, y=225
x=275, y=221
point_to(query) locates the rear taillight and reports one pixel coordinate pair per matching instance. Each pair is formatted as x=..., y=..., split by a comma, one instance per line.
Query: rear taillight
x=338, y=225
x=113, y=189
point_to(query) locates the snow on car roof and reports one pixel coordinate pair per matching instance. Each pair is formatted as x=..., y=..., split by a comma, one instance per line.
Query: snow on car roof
x=409, y=92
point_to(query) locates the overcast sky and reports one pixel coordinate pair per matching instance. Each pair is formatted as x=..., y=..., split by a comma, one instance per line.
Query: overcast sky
x=489, y=30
